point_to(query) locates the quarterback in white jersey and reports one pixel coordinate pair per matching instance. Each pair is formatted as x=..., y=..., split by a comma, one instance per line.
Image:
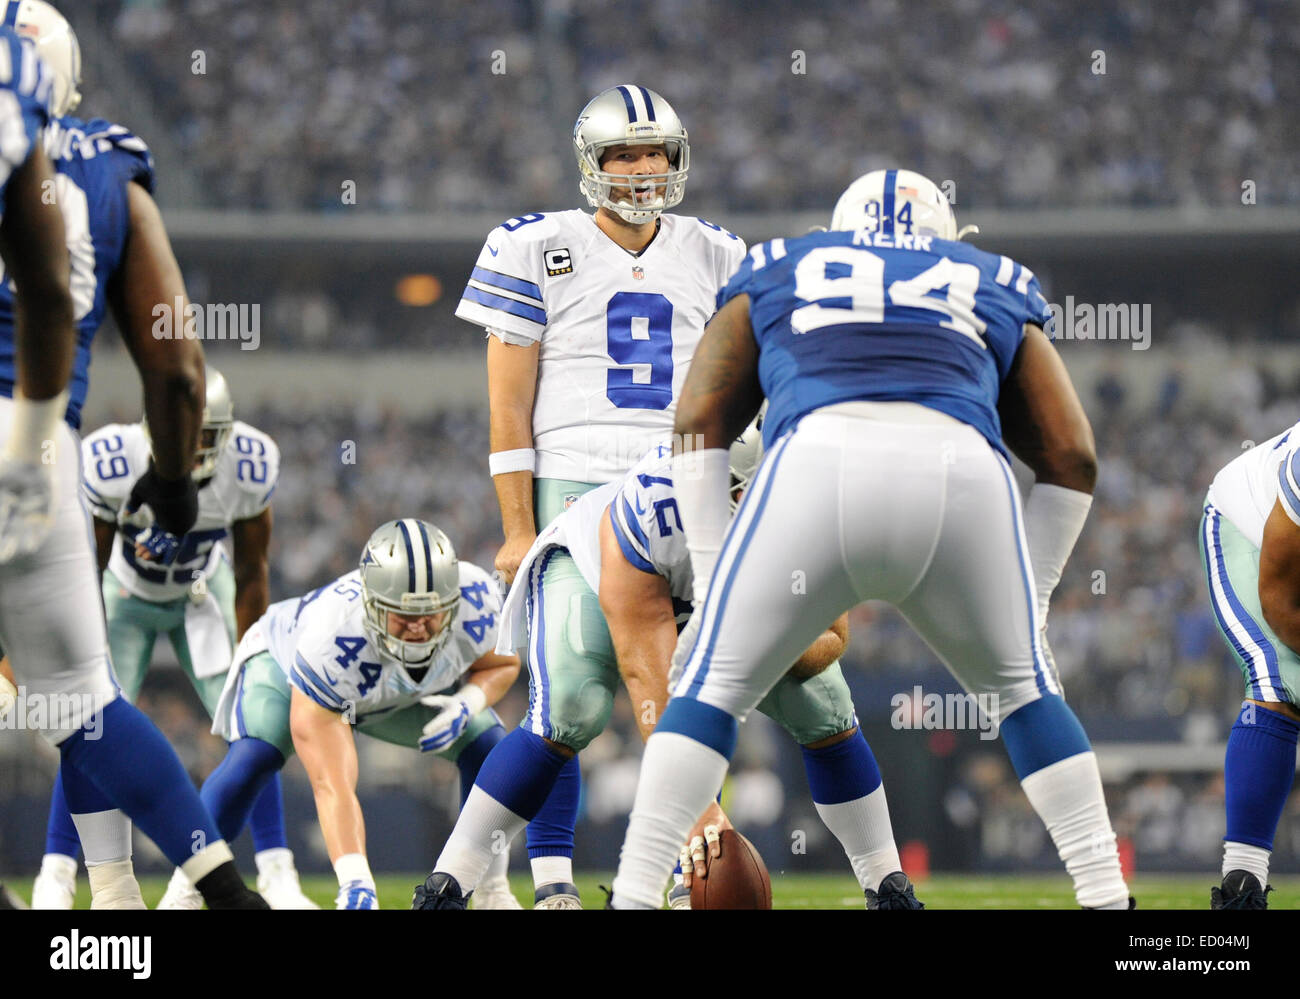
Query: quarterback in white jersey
x=592, y=321
x=1250, y=546
x=401, y=649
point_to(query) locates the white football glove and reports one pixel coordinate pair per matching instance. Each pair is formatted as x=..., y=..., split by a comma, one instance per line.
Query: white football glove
x=455, y=712
x=356, y=895
x=27, y=496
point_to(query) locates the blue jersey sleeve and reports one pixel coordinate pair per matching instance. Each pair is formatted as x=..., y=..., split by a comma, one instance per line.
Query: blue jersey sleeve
x=26, y=86
x=126, y=151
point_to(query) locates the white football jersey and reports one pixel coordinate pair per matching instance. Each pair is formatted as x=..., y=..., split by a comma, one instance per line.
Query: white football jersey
x=617, y=329
x=115, y=456
x=320, y=643
x=1246, y=487
x=643, y=513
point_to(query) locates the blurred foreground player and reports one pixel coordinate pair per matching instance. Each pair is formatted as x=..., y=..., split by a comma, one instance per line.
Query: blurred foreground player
x=51, y=621
x=887, y=351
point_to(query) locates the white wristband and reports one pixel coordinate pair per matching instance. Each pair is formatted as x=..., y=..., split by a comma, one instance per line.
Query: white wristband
x=521, y=459
x=354, y=867
x=474, y=696
x=35, y=426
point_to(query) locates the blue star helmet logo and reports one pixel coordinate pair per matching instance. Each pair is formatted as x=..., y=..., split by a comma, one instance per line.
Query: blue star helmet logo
x=368, y=559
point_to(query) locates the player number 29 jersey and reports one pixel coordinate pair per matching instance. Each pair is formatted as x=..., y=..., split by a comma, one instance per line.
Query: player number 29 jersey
x=617, y=330
x=115, y=456
x=848, y=316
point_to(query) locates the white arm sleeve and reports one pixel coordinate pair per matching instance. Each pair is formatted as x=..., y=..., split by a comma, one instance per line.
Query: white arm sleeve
x=1054, y=519
x=701, y=479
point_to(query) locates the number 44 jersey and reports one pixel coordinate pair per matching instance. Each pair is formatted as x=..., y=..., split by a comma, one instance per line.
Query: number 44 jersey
x=617, y=329
x=115, y=456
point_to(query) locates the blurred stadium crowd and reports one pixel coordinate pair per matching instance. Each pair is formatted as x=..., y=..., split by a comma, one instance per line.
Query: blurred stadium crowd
x=295, y=98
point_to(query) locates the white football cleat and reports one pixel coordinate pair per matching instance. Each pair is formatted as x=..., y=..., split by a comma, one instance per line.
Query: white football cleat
x=55, y=886
x=494, y=894
x=277, y=881
x=181, y=894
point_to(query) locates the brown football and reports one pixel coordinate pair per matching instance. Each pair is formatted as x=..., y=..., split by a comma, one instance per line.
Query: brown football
x=738, y=879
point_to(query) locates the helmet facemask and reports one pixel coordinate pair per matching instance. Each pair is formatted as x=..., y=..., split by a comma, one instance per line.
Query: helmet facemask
x=630, y=115
x=407, y=654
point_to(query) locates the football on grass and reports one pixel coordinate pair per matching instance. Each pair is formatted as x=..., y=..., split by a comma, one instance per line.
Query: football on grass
x=738, y=879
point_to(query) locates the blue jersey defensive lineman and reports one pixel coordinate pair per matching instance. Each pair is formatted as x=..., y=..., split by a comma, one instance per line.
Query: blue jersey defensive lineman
x=896, y=361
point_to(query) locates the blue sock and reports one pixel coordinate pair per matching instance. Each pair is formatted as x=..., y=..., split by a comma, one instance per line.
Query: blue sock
x=135, y=769
x=231, y=789
x=267, y=821
x=1257, y=774
x=1041, y=733
x=520, y=772
x=550, y=834
x=471, y=758
x=843, y=772
x=60, y=834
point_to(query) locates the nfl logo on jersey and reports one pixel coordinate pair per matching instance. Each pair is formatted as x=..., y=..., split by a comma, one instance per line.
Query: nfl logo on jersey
x=638, y=273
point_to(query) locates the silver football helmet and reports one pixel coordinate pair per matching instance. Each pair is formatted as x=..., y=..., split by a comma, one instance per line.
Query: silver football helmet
x=218, y=423
x=55, y=42
x=897, y=201
x=745, y=457
x=629, y=115
x=409, y=567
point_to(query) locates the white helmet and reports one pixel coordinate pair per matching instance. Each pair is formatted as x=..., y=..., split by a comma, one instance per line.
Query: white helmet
x=745, y=456
x=629, y=115
x=896, y=202
x=56, y=44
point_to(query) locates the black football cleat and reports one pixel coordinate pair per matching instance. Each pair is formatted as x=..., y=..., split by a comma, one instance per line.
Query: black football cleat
x=1240, y=890
x=895, y=892
x=439, y=891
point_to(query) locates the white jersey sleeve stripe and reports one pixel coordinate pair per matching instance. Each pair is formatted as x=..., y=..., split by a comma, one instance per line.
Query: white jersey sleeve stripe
x=502, y=304
x=1006, y=268
x=630, y=552
x=496, y=279
x=310, y=683
x=1288, y=491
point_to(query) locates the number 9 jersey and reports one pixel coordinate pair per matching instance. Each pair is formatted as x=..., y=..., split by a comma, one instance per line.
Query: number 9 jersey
x=246, y=473
x=617, y=329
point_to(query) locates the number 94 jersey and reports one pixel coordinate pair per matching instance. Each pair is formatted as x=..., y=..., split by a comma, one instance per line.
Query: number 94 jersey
x=617, y=330
x=115, y=456
x=847, y=316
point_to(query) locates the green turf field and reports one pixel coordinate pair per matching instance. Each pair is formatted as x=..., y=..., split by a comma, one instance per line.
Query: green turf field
x=942, y=891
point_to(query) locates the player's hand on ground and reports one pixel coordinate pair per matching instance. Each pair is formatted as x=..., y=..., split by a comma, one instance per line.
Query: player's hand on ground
x=447, y=725
x=357, y=895
x=27, y=496
x=703, y=841
x=174, y=503
x=511, y=554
